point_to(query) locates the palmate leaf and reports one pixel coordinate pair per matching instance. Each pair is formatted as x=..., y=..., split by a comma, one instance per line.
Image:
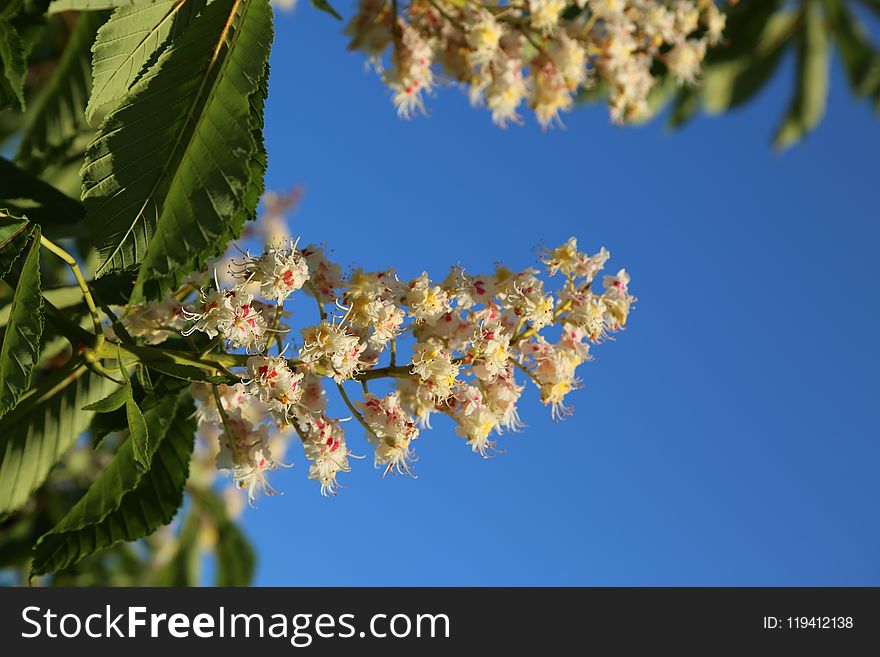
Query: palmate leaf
x=131, y=40
x=811, y=93
x=169, y=176
x=20, y=350
x=125, y=503
x=35, y=435
x=57, y=117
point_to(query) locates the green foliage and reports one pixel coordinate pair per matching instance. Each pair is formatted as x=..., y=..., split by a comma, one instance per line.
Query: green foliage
x=125, y=502
x=757, y=38
x=20, y=350
x=24, y=194
x=130, y=42
x=114, y=401
x=729, y=84
x=93, y=5
x=12, y=230
x=183, y=568
x=44, y=425
x=173, y=173
x=56, y=119
x=20, y=24
x=171, y=202
x=139, y=434
x=137, y=425
x=323, y=5
x=860, y=59
x=12, y=58
x=811, y=91
x=236, y=560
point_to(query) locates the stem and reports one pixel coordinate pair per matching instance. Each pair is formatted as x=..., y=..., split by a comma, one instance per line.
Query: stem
x=320, y=303
x=216, y=362
x=118, y=327
x=275, y=322
x=207, y=350
x=522, y=367
x=83, y=286
x=393, y=352
x=443, y=12
x=395, y=33
x=354, y=411
x=222, y=412
x=591, y=21
x=532, y=330
x=396, y=372
x=58, y=380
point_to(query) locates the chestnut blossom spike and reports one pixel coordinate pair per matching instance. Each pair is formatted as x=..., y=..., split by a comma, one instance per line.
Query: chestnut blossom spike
x=537, y=52
x=454, y=347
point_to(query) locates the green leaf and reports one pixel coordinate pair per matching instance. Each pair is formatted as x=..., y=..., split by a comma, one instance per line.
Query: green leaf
x=183, y=568
x=129, y=42
x=12, y=66
x=808, y=104
x=746, y=22
x=236, y=559
x=21, y=24
x=126, y=503
x=11, y=227
x=323, y=5
x=860, y=59
x=185, y=372
x=598, y=92
x=171, y=201
x=57, y=117
x=112, y=402
x=20, y=350
x=43, y=426
x=140, y=434
x=43, y=204
x=733, y=82
x=684, y=107
x=58, y=6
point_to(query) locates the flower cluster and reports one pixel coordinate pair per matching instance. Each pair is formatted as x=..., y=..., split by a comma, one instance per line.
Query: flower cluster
x=470, y=337
x=391, y=431
x=535, y=52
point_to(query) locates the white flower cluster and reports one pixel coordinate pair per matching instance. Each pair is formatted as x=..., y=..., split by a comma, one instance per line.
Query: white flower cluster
x=468, y=336
x=245, y=431
x=535, y=52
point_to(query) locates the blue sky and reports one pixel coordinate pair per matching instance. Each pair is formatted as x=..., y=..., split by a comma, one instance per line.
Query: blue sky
x=726, y=438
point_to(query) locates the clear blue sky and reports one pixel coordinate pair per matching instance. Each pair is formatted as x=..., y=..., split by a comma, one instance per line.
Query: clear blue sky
x=728, y=437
